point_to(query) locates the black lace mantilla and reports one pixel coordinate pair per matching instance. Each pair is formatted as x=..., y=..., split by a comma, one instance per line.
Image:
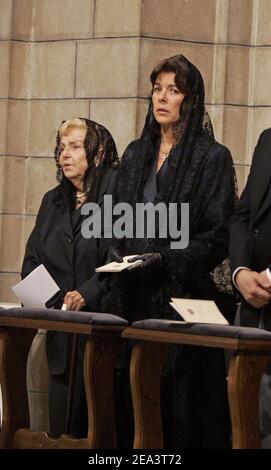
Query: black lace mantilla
x=101, y=153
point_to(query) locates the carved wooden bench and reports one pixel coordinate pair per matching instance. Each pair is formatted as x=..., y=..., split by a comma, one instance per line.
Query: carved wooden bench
x=18, y=327
x=251, y=349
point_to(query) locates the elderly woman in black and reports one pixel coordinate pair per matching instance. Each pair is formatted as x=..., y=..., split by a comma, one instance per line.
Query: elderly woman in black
x=177, y=160
x=86, y=159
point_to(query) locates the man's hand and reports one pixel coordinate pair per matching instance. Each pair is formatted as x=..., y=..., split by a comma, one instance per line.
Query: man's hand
x=74, y=300
x=254, y=286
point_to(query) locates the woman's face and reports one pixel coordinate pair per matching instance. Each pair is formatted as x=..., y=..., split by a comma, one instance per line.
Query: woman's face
x=73, y=159
x=166, y=99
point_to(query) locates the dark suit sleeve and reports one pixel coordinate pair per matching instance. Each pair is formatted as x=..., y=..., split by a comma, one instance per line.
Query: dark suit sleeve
x=32, y=253
x=239, y=232
x=240, y=221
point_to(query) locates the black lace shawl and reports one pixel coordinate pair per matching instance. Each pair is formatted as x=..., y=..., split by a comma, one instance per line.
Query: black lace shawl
x=101, y=153
x=200, y=172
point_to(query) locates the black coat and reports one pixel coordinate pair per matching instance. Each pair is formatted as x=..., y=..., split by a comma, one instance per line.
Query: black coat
x=209, y=188
x=70, y=259
x=251, y=225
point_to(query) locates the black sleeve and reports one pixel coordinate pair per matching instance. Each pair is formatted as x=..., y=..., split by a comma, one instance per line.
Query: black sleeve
x=92, y=290
x=32, y=253
x=239, y=232
x=239, y=225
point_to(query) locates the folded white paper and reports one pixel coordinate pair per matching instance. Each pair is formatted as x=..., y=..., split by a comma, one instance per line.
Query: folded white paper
x=115, y=267
x=36, y=288
x=198, y=311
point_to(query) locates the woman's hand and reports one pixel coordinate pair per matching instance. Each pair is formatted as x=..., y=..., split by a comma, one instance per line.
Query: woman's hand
x=113, y=254
x=74, y=300
x=254, y=287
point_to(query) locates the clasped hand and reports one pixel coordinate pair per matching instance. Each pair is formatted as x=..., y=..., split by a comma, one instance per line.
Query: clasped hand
x=255, y=287
x=74, y=300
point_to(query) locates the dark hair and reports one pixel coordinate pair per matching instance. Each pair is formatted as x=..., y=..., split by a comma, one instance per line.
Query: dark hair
x=182, y=71
x=187, y=79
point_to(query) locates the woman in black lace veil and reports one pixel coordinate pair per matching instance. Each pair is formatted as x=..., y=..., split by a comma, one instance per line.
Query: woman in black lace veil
x=86, y=159
x=177, y=160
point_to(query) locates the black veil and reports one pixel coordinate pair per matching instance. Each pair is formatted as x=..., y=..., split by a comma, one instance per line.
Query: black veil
x=101, y=153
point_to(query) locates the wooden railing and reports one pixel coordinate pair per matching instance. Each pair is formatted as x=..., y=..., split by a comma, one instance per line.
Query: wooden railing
x=17, y=331
x=251, y=350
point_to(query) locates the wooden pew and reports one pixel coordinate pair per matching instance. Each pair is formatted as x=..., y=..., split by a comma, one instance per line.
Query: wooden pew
x=18, y=327
x=251, y=350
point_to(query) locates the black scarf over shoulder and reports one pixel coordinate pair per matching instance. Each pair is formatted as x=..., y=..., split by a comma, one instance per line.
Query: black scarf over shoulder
x=200, y=172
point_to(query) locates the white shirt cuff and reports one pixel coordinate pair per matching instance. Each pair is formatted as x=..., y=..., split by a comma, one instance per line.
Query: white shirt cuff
x=239, y=269
x=268, y=274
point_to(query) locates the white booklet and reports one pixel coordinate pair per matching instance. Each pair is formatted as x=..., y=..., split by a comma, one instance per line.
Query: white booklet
x=198, y=311
x=36, y=288
x=115, y=267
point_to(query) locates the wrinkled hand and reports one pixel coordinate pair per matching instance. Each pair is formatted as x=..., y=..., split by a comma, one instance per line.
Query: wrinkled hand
x=254, y=286
x=74, y=300
x=151, y=262
x=113, y=254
